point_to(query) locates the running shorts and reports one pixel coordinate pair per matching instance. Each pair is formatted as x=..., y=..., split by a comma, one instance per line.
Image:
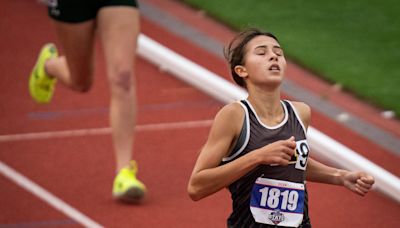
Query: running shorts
x=75, y=11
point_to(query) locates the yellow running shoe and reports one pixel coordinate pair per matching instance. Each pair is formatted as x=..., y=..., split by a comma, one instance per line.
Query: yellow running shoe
x=41, y=85
x=126, y=187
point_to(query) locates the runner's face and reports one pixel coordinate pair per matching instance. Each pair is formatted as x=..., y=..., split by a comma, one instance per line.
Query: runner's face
x=264, y=61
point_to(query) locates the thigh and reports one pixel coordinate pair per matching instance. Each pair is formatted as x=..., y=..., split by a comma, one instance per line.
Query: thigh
x=77, y=40
x=119, y=28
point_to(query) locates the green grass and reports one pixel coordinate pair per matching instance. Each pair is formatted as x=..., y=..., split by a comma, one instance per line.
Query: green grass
x=355, y=43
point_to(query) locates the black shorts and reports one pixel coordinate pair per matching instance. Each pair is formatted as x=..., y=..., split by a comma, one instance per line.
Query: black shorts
x=75, y=11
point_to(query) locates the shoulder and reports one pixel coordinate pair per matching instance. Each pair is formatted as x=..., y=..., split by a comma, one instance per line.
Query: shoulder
x=230, y=117
x=230, y=113
x=304, y=112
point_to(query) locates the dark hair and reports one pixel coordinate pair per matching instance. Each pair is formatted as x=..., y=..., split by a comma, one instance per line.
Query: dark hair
x=235, y=51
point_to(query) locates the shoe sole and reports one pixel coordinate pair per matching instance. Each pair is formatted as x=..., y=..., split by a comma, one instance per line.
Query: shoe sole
x=48, y=51
x=132, y=195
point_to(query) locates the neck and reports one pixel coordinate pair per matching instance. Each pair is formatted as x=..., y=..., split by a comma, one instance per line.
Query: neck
x=266, y=103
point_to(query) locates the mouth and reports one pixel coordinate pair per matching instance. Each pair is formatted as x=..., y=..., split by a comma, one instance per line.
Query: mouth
x=274, y=67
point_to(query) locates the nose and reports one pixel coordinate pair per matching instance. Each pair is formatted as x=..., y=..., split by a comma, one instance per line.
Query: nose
x=273, y=57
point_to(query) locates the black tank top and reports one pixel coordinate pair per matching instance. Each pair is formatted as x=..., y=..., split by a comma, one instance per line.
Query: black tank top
x=254, y=135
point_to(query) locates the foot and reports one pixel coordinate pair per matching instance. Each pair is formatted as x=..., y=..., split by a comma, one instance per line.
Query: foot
x=41, y=85
x=127, y=187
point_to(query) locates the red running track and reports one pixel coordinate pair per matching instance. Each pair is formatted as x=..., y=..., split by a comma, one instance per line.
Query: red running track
x=79, y=170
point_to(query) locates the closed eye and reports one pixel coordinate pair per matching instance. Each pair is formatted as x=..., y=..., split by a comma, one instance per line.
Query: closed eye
x=277, y=50
x=260, y=53
x=262, y=50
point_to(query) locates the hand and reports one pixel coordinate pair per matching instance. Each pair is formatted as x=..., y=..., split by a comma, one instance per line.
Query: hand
x=278, y=153
x=358, y=182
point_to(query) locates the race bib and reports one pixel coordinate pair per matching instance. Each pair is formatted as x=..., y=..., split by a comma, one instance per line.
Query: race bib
x=277, y=202
x=302, y=151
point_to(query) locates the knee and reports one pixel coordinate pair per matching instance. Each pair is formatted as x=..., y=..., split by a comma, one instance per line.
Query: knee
x=81, y=80
x=122, y=83
x=81, y=87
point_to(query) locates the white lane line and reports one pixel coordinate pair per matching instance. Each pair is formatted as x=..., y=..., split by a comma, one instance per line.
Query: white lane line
x=102, y=131
x=46, y=196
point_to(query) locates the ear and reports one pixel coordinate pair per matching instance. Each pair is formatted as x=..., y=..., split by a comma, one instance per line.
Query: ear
x=241, y=71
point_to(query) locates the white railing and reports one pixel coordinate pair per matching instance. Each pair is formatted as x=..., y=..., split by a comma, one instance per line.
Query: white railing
x=323, y=146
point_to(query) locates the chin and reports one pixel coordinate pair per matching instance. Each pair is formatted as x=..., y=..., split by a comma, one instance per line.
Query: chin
x=273, y=82
x=275, y=78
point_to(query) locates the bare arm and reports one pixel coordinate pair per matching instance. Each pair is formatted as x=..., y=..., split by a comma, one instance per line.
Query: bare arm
x=208, y=177
x=358, y=182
